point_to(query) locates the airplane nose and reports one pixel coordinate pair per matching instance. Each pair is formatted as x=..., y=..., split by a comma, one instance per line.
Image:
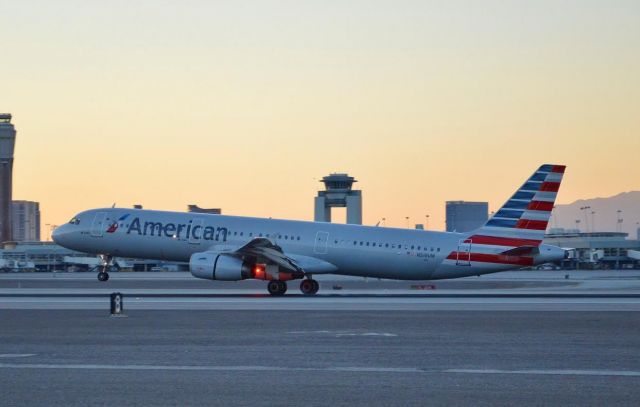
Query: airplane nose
x=58, y=234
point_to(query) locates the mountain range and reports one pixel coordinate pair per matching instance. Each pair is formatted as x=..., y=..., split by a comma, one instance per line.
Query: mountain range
x=601, y=214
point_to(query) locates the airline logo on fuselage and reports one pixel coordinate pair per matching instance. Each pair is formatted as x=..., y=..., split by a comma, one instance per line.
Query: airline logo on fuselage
x=114, y=225
x=177, y=230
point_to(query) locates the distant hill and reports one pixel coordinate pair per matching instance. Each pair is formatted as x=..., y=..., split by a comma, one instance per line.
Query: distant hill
x=605, y=218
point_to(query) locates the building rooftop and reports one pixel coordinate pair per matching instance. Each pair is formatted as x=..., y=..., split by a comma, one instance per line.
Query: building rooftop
x=5, y=117
x=585, y=235
x=338, y=181
x=466, y=202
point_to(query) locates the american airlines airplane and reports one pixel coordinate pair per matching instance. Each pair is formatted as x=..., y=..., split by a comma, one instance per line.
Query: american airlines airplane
x=233, y=248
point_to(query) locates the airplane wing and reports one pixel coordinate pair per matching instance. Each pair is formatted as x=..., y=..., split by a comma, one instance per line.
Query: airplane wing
x=265, y=251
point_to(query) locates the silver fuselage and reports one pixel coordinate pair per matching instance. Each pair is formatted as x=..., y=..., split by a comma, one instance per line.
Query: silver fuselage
x=355, y=250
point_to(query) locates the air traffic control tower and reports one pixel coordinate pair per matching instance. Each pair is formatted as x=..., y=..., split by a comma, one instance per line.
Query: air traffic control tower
x=338, y=194
x=7, y=143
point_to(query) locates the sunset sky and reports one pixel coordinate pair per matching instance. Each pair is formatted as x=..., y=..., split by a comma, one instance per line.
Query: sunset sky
x=246, y=105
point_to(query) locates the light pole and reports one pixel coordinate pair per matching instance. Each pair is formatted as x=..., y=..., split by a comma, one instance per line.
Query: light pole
x=593, y=221
x=586, y=220
x=578, y=225
x=407, y=219
x=426, y=224
x=619, y=223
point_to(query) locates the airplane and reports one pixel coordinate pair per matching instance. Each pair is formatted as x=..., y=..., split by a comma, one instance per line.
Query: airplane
x=233, y=248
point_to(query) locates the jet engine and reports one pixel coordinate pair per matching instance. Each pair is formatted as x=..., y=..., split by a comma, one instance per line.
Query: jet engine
x=217, y=266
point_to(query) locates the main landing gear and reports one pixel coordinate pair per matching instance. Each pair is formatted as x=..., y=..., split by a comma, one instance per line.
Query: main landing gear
x=105, y=259
x=309, y=286
x=277, y=287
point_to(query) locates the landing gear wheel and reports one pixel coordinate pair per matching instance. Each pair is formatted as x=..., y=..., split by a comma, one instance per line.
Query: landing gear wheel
x=309, y=286
x=106, y=260
x=277, y=287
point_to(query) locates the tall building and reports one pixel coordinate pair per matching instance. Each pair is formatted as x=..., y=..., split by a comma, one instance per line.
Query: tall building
x=338, y=194
x=26, y=221
x=465, y=216
x=7, y=143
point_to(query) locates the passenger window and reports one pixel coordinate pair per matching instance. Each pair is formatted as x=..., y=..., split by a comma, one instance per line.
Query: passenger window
x=438, y=249
x=386, y=245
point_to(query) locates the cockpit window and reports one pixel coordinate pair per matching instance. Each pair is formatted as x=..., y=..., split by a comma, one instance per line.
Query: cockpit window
x=74, y=221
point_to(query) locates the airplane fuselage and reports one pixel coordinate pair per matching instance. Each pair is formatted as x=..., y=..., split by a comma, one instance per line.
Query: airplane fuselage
x=355, y=250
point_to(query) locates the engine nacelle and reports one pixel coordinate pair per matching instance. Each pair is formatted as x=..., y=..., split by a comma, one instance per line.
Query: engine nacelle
x=216, y=266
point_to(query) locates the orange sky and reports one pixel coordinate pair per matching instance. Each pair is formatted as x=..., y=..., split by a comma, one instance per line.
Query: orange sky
x=246, y=107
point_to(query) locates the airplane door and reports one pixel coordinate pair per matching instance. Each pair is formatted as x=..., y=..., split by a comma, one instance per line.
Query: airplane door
x=322, y=239
x=197, y=229
x=98, y=225
x=463, y=257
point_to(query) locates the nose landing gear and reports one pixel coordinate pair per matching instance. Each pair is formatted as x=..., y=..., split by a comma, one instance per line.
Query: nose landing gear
x=105, y=259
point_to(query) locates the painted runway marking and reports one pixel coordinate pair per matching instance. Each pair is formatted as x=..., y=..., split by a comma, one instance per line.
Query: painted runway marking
x=383, y=334
x=339, y=334
x=552, y=372
x=16, y=355
x=349, y=369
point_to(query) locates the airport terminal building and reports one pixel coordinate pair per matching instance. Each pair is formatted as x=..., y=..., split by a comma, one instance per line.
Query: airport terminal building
x=48, y=256
x=598, y=250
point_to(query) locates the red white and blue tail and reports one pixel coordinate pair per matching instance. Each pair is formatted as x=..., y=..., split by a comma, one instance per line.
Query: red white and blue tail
x=513, y=235
x=523, y=219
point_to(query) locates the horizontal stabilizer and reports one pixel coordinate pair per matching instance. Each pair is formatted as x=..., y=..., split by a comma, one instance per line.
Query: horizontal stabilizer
x=522, y=251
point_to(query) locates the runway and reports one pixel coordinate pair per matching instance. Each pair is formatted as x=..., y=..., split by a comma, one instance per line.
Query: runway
x=74, y=357
x=517, y=339
x=515, y=291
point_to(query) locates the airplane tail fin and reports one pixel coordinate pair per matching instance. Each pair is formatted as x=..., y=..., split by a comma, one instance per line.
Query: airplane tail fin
x=523, y=219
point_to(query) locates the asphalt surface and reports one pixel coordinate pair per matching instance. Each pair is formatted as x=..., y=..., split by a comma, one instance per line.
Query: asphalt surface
x=522, y=338
x=515, y=291
x=86, y=357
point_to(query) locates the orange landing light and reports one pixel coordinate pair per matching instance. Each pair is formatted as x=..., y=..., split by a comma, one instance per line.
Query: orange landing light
x=259, y=272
